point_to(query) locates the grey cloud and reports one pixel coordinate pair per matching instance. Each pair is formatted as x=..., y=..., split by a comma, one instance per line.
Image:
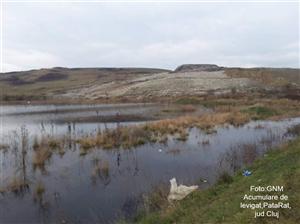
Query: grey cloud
x=153, y=35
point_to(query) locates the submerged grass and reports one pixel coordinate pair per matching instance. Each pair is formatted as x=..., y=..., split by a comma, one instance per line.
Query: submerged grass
x=17, y=185
x=221, y=203
x=45, y=147
x=40, y=156
x=101, y=169
x=4, y=147
x=39, y=191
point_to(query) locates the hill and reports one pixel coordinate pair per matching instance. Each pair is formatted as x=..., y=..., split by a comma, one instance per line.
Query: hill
x=136, y=84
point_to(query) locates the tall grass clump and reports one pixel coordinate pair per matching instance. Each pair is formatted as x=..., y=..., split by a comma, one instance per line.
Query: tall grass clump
x=41, y=155
x=17, y=186
x=225, y=178
x=45, y=147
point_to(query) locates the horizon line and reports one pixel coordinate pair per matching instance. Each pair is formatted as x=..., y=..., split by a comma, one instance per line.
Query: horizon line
x=146, y=67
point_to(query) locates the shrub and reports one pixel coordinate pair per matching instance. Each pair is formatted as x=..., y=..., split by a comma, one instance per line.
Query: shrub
x=225, y=178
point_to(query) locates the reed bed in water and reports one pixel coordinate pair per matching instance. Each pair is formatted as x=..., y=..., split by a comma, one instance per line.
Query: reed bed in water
x=45, y=146
x=158, y=131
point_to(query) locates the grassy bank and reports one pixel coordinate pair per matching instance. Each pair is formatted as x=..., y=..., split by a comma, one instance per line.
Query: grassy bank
x=221, y=203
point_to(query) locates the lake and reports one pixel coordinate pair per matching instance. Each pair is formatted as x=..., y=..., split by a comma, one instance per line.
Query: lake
x=75, y=193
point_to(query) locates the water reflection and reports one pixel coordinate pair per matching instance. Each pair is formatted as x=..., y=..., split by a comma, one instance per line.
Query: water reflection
x=54, y=118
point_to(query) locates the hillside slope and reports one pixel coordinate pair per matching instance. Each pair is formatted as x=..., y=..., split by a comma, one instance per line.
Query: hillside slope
x=143, y=83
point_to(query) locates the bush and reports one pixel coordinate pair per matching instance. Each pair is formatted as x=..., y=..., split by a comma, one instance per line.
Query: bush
x=225, y=178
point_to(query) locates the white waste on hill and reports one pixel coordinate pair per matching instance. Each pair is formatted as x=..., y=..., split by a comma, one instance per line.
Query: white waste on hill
x=179, y=192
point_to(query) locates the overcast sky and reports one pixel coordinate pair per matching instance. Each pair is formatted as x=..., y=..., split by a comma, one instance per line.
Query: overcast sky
x=39, y=35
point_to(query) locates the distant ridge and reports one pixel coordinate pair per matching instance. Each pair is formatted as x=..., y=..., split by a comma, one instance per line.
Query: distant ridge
x=198, y=68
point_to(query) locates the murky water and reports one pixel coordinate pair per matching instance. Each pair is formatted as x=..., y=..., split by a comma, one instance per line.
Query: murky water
x=75, y=193
x=53, y=118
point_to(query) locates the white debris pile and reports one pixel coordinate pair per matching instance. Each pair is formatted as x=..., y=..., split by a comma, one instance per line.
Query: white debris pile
x=179, y=192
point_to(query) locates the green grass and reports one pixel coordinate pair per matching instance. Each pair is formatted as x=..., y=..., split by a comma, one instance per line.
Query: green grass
x=220, y=204
x=261, y=112
x=188, y=100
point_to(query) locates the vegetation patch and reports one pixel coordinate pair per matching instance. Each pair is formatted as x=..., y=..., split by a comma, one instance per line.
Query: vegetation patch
x=266, y=76
x=188, y=100
x=158, y=131
x=18, y=185
x=261, y=112
x=225, y=178
x=44, y=148
x=40, y=156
